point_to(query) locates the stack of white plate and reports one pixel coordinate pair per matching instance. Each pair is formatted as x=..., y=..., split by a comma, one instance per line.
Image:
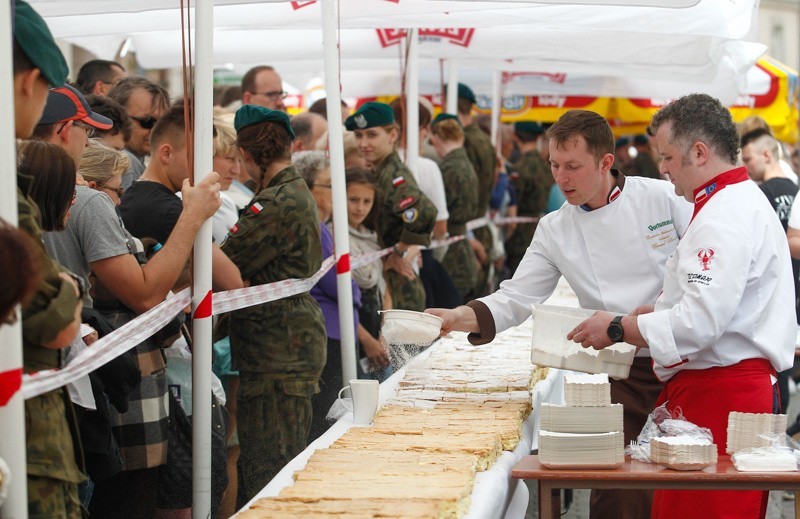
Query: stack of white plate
x=587, y=431
x=748, y=430
x=683, y=452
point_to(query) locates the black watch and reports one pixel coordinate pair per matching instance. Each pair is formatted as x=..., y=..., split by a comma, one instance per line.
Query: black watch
x=615, y=330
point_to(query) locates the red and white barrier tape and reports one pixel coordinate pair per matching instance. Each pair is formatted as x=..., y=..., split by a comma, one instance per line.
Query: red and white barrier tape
x=126, y=337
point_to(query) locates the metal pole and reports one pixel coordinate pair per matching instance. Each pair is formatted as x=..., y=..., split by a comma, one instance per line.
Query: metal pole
x=497, y=104
x=412, y=102
x=201, y=280
x=341, y=234
x=452, y=86
x=12, y=415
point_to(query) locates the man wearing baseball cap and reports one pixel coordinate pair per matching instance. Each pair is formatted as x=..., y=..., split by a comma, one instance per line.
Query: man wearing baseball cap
x=52, y=318
x=69, y=121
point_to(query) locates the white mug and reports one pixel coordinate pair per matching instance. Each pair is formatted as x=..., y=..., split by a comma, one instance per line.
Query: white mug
x=365, y=400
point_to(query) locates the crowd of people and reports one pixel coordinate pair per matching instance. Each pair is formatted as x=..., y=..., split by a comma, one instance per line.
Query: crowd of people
x=108, y=217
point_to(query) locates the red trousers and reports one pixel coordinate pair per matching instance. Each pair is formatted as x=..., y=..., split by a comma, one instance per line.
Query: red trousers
x=705, y=397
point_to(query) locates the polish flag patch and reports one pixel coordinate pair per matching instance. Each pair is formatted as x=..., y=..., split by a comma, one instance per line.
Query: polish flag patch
x=256, y=208
x=399, y=181
x=234, y=229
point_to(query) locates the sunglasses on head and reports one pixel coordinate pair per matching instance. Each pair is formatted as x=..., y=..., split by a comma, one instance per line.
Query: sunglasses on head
x=146, y=122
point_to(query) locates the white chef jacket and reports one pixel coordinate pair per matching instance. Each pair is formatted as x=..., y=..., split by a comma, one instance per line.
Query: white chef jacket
x=735, y=303
x=612, y=257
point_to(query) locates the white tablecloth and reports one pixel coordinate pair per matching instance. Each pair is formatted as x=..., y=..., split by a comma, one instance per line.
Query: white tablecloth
x=495, y=494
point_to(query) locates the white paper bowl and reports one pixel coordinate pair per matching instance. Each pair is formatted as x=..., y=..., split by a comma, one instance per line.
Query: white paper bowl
x=407, y=327
x=550, y=346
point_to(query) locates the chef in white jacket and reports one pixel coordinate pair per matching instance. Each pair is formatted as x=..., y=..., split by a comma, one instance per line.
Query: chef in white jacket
x=725, y=321
x=610, y=242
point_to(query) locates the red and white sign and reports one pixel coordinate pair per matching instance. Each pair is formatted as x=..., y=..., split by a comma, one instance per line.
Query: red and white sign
x=461, y=37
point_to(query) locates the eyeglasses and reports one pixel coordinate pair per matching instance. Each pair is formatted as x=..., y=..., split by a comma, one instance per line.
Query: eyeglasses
x=117, y=190
x=91, y=131
x=146, y=123
x=274, y=95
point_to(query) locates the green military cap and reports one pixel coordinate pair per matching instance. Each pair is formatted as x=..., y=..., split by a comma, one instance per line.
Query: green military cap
x=369, y=115
x=622, y=141
x=444, y=117
x=36, y=41
x=529, y=127
x=248, y=115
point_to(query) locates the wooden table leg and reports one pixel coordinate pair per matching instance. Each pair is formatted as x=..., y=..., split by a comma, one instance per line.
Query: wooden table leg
x=796, y=505
x=545, y=500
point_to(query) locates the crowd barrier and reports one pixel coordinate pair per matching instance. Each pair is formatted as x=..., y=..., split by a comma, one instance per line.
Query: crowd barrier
x=134, y=332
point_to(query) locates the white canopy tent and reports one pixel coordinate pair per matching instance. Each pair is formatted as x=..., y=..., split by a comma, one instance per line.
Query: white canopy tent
x=659, y=40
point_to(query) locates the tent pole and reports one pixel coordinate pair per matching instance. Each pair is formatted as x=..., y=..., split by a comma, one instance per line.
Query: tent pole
x=341, y=233
x=452, y=87
x=497, y=104
x=12, y=415
x=201, y=280
x=411, y=126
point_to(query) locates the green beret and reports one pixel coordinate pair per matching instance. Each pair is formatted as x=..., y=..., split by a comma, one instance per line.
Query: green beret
x=248, y=115
x=529, y=127
x=444, y=117
x=36, y=41
x=369, y=115
x=622, y=141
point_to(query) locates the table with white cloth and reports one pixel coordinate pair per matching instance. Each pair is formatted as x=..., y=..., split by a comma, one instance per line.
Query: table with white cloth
x=495, y=493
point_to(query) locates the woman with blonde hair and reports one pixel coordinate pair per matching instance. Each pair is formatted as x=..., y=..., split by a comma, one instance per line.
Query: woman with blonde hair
x=102, y=168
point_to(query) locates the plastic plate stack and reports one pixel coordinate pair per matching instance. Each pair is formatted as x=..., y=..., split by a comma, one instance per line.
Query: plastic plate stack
x=550, y=346
x=683, y=452
x=586, y=433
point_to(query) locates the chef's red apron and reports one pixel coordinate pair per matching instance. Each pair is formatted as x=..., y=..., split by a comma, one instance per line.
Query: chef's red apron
x=705, y=397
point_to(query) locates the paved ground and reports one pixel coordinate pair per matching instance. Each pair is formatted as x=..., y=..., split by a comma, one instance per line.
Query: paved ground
x=778, y=507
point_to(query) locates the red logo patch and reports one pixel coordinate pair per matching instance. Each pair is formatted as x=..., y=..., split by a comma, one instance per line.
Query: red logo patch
x=705, y=256
x=405, y=202
x=235, y=229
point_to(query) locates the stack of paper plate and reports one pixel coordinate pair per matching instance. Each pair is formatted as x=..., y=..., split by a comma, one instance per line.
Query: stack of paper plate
x=561, y=418
x=550, y=346
x=585, y=451
x=587, y=390
x=683, y=452
x=748, y=430
x=765, y=460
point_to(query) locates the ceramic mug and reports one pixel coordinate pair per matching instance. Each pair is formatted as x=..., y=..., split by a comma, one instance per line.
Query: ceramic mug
x=365, y=400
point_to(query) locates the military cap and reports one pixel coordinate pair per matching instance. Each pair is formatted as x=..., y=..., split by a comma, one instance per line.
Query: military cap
x=444, y=117
x=248, y=115
x=465, y=92
x=641, y=139
x=369, y=115
x=622, y=141
x=529, y=127
x=36, y=41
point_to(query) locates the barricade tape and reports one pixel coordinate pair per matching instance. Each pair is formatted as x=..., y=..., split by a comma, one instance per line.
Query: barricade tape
x=142, y=327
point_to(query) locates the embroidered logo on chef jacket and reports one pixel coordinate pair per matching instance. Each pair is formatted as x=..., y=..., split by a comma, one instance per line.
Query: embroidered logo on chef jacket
x=702, y=195
x=410, y=215
x=705, y=256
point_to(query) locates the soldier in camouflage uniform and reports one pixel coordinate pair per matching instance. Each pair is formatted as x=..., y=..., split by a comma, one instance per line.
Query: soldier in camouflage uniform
x=279, y=348
x=407, y=216
x=483, y=157
x=532, y=179
x=461, y=187
x=51, y=319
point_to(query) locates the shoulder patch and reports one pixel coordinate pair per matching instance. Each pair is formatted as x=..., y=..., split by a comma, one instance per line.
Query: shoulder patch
x=256, y=208
x=410, y=215
x=234, y=229
x=407, y=201
x=398, y=181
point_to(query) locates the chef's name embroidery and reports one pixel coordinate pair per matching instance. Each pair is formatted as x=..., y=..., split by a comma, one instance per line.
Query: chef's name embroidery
x=659, y=225
x=698, y=278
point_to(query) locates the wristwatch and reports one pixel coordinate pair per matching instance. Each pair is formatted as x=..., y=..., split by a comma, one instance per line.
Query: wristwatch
x=401, y=253
x=615, y=330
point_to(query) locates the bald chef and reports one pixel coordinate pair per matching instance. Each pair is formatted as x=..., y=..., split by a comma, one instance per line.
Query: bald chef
x=610, y=242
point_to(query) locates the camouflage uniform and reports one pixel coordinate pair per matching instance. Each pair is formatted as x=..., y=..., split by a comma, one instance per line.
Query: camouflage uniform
x=53, y=473
x=279, y=348
x=645, y=166
x=407, y=216
x=532, y=180
x=484, y=160
x=461, y=187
